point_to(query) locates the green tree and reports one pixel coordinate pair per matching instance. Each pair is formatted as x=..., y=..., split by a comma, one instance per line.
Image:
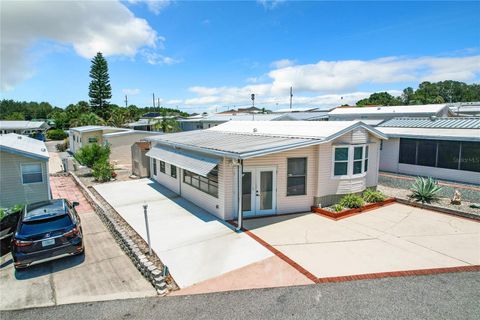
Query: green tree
x=86, y=119
x=380, y=98
x=100, y=90
x=167, y=124
x=15, y=116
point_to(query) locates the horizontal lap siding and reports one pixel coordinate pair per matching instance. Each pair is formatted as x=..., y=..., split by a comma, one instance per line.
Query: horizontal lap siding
x=164, y=178
x=289, y=204
x=327, y=185
x=12, y=191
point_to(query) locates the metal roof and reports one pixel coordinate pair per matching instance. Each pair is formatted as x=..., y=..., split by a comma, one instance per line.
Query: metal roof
x=22, y=145
x=242, y=140
x=96, y=128
x=239, y=117
x=299, y=116
x=22, y=125
x=193, y=162
x=389, y=110
x=452, y=123
x=432, y=133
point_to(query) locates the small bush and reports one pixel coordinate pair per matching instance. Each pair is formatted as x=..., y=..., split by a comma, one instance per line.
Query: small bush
x=338, y=207
x=56, y=134
x=371, y=195
x=62, y=147
x=352, y=201
x=425, y=190
x=92, y=153
x=102, y=170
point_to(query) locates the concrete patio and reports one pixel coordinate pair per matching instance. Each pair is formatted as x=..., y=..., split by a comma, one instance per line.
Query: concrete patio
x=389, y=239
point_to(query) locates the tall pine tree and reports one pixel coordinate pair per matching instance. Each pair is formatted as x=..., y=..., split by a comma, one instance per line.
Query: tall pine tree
x=99, y=89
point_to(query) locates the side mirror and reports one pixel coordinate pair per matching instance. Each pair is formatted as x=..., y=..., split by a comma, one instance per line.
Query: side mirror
x=75, y=203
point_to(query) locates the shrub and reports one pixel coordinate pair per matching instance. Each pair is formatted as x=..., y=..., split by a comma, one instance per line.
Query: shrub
x=62, y=147
x=56, y=134
x=92, y=153
x=102, y=170
x=338, y=207
x=371, y=195
x=425, y=190
x=351, y=201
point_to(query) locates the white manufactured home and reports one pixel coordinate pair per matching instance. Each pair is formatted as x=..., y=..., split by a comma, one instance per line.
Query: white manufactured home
x=442, y=148
x=23, y=170
x=267, y=167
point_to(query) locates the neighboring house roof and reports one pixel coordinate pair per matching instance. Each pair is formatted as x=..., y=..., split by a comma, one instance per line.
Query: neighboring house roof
x=247, y=139
x=303, y=116
x=454, y=123
x=389, y=110
x=22, y=125
x=306, y=109
x=25, y=146
x=131, y=132
x=237, y=117
x=96, y=128
x=458, y=129
x=468, y=108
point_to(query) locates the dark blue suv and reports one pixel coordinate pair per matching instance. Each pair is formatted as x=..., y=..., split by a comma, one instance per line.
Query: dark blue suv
x=47, y=230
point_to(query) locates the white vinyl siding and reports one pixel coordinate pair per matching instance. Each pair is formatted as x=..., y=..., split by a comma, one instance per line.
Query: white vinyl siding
x=13, y=191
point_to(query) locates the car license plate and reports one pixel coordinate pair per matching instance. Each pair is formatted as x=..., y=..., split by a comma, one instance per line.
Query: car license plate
x=48, y=242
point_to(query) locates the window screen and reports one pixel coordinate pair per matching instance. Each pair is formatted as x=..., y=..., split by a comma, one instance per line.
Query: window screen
x=296, y=176
x=408, y=151
x=470, y=160
x=32, y=173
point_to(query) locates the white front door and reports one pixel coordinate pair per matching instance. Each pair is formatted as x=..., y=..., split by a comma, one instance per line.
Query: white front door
x=259, y=191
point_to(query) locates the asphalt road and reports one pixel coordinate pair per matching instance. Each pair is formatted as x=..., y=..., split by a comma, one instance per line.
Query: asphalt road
x=443, y=296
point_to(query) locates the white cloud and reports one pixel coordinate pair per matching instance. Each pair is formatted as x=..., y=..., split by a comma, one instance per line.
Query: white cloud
x=270, y=4
x=157, y=58
x=326, y=82
x=88, y=26
x=154, y=6
x=131, y=92
x=283, y=63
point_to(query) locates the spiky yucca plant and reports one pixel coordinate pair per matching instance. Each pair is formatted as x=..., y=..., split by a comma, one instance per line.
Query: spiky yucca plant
x=425, y=190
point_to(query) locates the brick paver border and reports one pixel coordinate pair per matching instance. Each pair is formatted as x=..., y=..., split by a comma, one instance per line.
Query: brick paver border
x=366, y=276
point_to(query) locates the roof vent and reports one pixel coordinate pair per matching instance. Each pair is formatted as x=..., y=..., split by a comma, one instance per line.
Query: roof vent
x=43, y=149
x=379, y=108
x=433, y=118
x=19, y=137
x=255, y=130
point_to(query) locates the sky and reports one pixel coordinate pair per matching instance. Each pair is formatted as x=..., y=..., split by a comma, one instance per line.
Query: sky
x=212, y=55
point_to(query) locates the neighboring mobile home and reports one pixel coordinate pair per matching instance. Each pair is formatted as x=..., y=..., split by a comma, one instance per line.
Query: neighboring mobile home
x=27, y=128
x=81, y=136
x=377, y=114
x=267, y=167
x=23, y=170
x=443, y=148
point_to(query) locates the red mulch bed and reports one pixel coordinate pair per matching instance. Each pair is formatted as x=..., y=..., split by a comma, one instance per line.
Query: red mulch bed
x=349, y=212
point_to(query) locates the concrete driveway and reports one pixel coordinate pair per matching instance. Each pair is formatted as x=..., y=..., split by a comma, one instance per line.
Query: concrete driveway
x=103, y=273
x=389, y=239
x=191, y=242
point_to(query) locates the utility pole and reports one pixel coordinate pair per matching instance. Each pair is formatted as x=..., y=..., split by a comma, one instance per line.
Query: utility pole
x=153, y=99
x=253, y=99
x=126, y=101
x=158, y=102
x=291, y=96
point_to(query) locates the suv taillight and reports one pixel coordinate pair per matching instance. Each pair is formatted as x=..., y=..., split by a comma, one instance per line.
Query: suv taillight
x=22, y=243
x=72, y=233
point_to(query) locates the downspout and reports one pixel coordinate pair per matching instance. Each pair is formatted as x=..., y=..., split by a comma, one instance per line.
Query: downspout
x=239, y=195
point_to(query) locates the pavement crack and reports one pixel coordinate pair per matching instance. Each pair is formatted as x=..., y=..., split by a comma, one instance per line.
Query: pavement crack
x=52, y=285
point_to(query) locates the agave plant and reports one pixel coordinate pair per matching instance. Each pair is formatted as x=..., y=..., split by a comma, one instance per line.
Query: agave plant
x=425, y=190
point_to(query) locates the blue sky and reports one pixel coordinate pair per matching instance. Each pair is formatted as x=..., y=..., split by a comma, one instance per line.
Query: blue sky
x=212, y=55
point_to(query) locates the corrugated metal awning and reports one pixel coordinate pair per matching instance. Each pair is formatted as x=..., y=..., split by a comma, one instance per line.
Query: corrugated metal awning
x=186, y=160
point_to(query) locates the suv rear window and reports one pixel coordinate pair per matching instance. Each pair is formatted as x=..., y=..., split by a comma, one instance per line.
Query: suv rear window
x=45, y=225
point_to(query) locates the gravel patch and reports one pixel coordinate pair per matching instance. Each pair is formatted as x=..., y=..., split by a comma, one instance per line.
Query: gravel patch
x=443, y=202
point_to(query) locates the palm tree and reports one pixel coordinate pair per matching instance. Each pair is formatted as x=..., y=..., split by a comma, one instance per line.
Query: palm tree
x=86, y=119
x=167, y=125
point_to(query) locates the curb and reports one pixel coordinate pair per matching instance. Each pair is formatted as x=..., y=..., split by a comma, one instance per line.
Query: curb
x=440, y=209
x=149, y=271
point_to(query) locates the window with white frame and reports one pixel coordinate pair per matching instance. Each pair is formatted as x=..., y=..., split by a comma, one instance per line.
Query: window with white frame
x=350, y=160
x=32, y=173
